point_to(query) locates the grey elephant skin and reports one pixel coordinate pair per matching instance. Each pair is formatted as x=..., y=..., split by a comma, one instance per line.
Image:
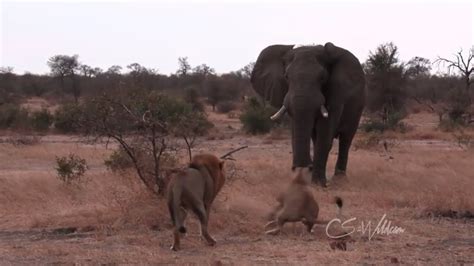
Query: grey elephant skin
x=306, y=81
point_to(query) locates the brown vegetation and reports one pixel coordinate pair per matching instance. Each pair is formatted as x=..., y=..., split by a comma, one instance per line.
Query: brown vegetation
x=413, y=164
x=422, y=186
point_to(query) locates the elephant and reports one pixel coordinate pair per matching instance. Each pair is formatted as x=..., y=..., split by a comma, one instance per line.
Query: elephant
x=323, y=90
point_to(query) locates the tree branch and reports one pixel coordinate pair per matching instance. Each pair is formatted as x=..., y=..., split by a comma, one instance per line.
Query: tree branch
x=226, y=156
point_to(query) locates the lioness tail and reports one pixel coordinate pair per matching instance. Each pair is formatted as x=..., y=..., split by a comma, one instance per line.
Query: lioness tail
x=339, y=204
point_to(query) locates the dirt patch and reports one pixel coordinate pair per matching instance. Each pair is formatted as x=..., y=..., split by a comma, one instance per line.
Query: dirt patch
x=44, y=222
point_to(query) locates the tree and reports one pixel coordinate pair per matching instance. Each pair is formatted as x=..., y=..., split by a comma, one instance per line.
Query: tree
x=145, y=125
x=6, y=70
x=463, y=64
x=142, y=77
x=417, y=66
x=191, y=96
x=246, y=71
x=86, y=71
x=384, y=58
x=385, y=78
x=460, y=100
x=204, y=70
x=385, y=81
x=136, y=69
x=97, y=71
x=184, y=67
x=64, y=66
x=214, y=92
x=8, y=85
x=114, y=70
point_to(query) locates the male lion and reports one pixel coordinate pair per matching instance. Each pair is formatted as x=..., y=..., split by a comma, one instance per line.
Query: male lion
x=296, y=204
x=194, y=188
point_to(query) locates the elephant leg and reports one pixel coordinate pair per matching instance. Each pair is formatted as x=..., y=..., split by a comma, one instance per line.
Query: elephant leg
x=321, y=148
x=293, y=142
x=314, y=137
x=344, y=145
x=345, y=140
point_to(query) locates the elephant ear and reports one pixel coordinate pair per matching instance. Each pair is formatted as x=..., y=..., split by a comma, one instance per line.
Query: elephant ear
x=268, y=75
x=333, y=53
x=345, y=70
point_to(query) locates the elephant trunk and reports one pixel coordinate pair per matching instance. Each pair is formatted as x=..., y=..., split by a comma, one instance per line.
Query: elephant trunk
x=304, y=114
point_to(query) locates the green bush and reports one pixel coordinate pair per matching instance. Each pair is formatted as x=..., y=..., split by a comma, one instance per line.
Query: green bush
x=119, y=160
x=394, y=120
x=256, y=118
x=373, y=125
x=387, y=121
x=8, y=114
x=41, y=120
x=448, y=125
x=12, y=116
x=66, y=118
x=71, y=168
x=191, y=96
x=459, y=103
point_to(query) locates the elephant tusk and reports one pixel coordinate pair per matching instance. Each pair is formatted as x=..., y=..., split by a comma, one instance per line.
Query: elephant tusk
x=278, y=114
x=324, y=111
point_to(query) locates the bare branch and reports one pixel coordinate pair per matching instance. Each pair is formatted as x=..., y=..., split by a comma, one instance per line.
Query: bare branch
x=189, y=146
x=226, y=156
x=126, y=109
x=144, y=116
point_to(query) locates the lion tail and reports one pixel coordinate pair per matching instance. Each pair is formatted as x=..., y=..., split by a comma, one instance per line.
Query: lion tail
x=174, y=203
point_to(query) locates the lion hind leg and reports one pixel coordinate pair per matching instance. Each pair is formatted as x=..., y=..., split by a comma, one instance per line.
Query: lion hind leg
x=176, y=242
x=201, y=213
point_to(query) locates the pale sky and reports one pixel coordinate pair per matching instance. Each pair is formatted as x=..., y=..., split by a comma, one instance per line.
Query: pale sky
x=226, y=35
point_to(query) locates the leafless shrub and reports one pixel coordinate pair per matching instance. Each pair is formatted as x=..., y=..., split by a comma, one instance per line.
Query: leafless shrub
x=145, y=125
x=23, y=140
x=464, y=141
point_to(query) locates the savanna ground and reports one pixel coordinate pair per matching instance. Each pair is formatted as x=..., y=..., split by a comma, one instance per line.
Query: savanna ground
x=423, y=183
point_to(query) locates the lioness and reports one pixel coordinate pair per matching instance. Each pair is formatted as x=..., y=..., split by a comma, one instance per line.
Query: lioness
x=296, y=204
x=194, y=188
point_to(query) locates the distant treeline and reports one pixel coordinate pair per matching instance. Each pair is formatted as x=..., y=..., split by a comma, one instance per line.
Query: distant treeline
x=70, y=80
x=390, y=82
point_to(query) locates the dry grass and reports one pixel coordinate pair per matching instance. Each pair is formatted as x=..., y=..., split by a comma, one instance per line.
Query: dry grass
x=37, y=104
x=119, y=222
